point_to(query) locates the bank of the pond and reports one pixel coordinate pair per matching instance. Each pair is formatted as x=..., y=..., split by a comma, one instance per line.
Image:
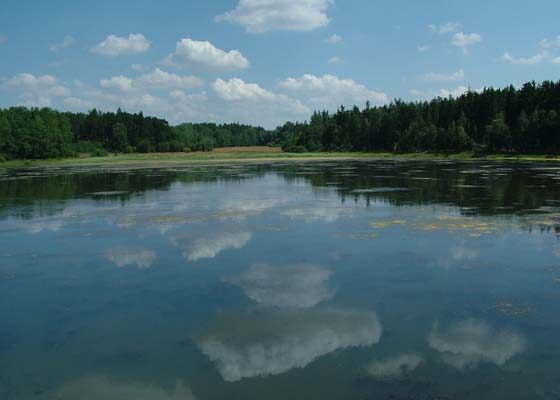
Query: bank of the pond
x=252, y=155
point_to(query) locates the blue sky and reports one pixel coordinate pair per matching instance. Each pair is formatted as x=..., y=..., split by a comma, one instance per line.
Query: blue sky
x=266, y=61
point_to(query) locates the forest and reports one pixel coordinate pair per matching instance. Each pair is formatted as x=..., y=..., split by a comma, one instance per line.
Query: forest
x=509, y=120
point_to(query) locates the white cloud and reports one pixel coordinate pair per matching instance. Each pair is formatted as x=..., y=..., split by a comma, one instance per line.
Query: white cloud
x=457, y=92
x=123, y=257
x=77, y=103
x=210, y=247
x=100, y=387
x=114, y=46
x=335, y=60
x=547, y=43
x=439, y=77
x=443, y=29
x=159, y=79
x=466, y=344
x=556, y=60
x=258, y=16
x=334, y=39
x=274, y=342
x=36, y=90
x=394, y=368
x=236, y=89
x=249, y=99
x=329, y=91
x=66, y=42
x=3, y=39
x=465, y=40
x=120, y=83
x=536, y=59
x=422, y=48
x=203, y=55
x=139, y=68
x=289, y=286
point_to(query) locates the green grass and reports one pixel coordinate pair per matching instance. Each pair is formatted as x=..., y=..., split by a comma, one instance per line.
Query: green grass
x=250, y=156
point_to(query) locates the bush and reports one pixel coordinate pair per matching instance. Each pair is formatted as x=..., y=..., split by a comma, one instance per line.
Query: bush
x=84, y=146
x=175, y=146
x=294, y=149
x=2, y=158
x=187, y=150
x=163, y=147
x=100, y=153
x=144, y=146
x=129, y=149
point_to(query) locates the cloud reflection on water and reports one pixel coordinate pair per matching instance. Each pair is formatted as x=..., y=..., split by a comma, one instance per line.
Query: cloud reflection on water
x=123, y=256
x=274, y=342
x=468, y=343
x=289, y=286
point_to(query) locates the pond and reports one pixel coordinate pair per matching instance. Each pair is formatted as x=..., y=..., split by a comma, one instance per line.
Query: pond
x=296, y=280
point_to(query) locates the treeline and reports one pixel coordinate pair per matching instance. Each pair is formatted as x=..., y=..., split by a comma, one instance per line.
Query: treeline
x=525, y=120
x=45, y=133
x=205, y=137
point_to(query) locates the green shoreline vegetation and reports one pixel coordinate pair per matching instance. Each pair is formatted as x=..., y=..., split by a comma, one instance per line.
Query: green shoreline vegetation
x=510, y=123
x=240, y=156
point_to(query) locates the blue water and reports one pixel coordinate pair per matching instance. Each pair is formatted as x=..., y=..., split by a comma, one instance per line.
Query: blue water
x=339, y=280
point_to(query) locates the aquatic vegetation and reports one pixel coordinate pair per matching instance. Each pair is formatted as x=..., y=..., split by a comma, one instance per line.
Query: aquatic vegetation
x=511, y=309
x=388, y=223
x=288, y=286
x=468, y=343
x=394, y=368
x=101, y=387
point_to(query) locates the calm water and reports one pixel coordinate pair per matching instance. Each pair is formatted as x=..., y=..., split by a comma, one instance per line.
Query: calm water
x=340, y=280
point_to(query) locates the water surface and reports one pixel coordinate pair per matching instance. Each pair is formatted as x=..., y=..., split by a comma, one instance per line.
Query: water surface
x=319, y=280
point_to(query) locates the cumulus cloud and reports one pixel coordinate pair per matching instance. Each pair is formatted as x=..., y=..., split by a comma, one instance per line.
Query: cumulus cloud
x=159, y=79
x=36, y=90
x=101, y=387
x=443, y=29
x=441, y=77
x=120, y=83
x=335, y=60
x=334, y=39
x=203, y=55
x=258, y=16
x=468, y=343
x=422, y=48
x=210, y=247
x=550, y=43
x=536, y=59
x=236, y=89
x=114, y=46
x=288, y=286
x=123, y=257
x=275, y=342
x=465, y=40
x=66, y=42
x=329, y=91
x=457, y=92
x=394, y=368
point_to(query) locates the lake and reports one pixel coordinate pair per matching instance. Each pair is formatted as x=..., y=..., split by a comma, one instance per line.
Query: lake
x=296, y=280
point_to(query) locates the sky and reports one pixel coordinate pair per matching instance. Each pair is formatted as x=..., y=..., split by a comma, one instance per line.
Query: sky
x=264, y=62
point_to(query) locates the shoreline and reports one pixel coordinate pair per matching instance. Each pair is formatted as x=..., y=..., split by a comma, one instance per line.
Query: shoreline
x=224, y=156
